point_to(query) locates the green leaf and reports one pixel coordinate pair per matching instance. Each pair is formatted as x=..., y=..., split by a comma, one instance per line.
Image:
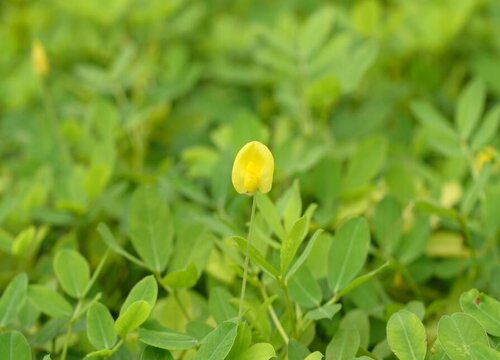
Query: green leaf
x=109, y=239
x=296, y=350
x=430, y=117
x=437, y=352
x=412, y=245
x=366, y=163
x=456, y=334
x=344, y=344
x=358, y=319
x=293, y=206
x=13, y=299
x=14, y=346
x=256, y=257
x=178, y=279
x=99, y=354
x=475, y=190
x=218, y=343
x=260, y=351
x=484, y=352
x=304, y=254
x=292, y=243
x=150, y=227
x=488, y=129
x=72, y=272
x=100, y=327
x=406, y=336
x=219, y=305
x=360, y=280
x=146, y=289
x=193, y=245
x=325, y=312
x=314, y=32
x=136, y=314
x=6, y=241
x=270, y=214
x=167, y=339
x=24, y=242
x=433, y=208
x=483, y=308
x=348, y=252
x=152, y=353
x=388, y=224
x=314, y=356
x=49, y=301
x=242, y=341
x=469, y=108
x=304, y=289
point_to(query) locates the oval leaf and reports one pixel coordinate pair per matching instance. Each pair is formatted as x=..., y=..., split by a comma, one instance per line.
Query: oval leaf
x=483, y=352
x=456, y=334
x=14, y=346
x=292, y=242
x=220, y=306
x=72, y=272
x=218, y=343
x=314, y=356
x=324, y=312
x=49, y=301
x=469, y=108
x=304, y=288
x=13, y=299
x=483, y=308
x=152, y=353
x=146, y=289
x=348, y=252
x=150, y=227
x=261, y=351
x=136, y=314
x=185, y=278
x=167, y=339
x=100, y=327
x=406, y=336
x=344, y=344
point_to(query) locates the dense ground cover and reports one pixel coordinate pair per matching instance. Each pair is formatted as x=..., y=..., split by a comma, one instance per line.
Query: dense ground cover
x=122, y=237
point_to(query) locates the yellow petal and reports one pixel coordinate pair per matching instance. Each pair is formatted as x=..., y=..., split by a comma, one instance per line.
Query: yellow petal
x=39, y=59
x=253, y=169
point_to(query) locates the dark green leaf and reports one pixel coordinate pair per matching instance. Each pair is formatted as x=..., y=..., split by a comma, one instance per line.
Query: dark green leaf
x=73, y=272
x=100, y=327
x=150, y=227
x=167, y=339
x=218, y=343
x=14, y=346
x=347, y=252
x=13, y=299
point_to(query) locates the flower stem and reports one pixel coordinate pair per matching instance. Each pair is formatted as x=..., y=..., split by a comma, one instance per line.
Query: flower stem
x=247, y=258
x=274, y=317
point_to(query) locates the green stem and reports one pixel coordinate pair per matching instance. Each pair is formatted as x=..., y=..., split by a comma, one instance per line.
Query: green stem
x=274, y=317
x=97, y=272
x=247, y=258
x=74, y=316
x=289, y=306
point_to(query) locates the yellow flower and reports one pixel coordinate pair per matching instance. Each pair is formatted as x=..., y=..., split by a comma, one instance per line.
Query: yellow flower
x=39, y=59
x=485, y=156
x=253, y=169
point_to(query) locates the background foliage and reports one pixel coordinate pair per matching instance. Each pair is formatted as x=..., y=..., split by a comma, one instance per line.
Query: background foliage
x=120, y=232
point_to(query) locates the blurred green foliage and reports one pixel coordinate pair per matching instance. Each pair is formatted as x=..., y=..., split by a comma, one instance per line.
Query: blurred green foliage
x=383, y=109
